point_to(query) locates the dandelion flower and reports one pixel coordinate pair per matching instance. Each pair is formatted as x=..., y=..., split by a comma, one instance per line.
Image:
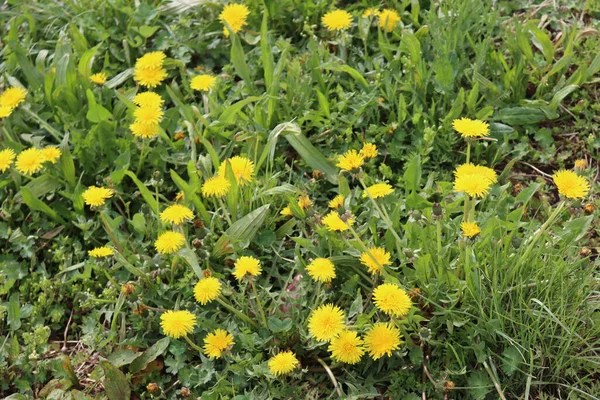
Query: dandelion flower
x=570, y=184
x=144, y=130
x=99, y=78
x=217, y=342
x=216, y=186
x=6, y=158
x=369, y=150
x=370, y=12
x=469, y=128
x=287, y=211
x=378, y=190
x=380, y=255
x=151, y=60
x=51, y=154
x=12, y=97
x=283, y=363
x=203, y=82
x=100, y=252
x=151, y=77
x=351, y=160
x=392, y=300
x=337, y=201
x=242, y=167
x=475, y=185
x=176, y=324
x=304, y=202
x=5, y=112
x=333, y=222
x=388, y=20
x=176, y=214
x=29, y=161
x=169, y=242
x=470, y=229
x=246, y=266
x=326, y=322
x=235, y=15
x=337, y=20
x=321, y=269
x=381, y=339
x=472, y=169
x=148, y=99
x=580, y=165
x=149, y=115
x=347, y=347
x=207, y=289
x=96, y=196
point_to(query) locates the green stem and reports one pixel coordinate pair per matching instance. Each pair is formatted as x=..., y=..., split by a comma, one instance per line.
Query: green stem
x=439, y=236
x=194, y=346
x=315, y=300
x=110, y=233
x=466, y=212
x=235, y=311
x=542, y=230
x=468, y=151
x=144, y=153
x=225, y=211
x=173, y=265
x=260, y=307
x=472, y=213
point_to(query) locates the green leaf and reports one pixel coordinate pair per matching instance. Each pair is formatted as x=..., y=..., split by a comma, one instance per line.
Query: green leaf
x=276, y=325
x=149, y=355
x=412, y=175
x=521, y=116
x=87, y=60
x=310, y=154
x=575, y=229
x=228, y=115
x=357, y=76
x=139, y=222
x=14, y=312
x=238, y=58
x=147, y=31
x=36, y=204
x=98, y=113
x=190, y=257
x=116, y=385
x=66, y=162
x=122, y=357
x=511, y=360
x=560, y=95
x=120, y=78
x=146, y=194
x=242, y=231
x=357, y=305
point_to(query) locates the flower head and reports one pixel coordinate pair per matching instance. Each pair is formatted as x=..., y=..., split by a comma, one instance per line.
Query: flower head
x=476, y=185
x=471, y=127
x=472, y=169
x=470, y=229
x=169, y=242
x=326, y=322
x=321, y=269
x=570, y=184
x=217, y=342
x=100, y=252
x=151, y=60
x=304, y=202
x=12, y=97
x=283, y=363
x=246, y=266
x=29, y=161
x=580, y=164
x=351, y=160
x=96, y=196
x=176, y=214
x=6, y=158
x=381, y=339
x=149, y=77
x=378, y=190
x=149, y=115
x=347, y=347
x=242, y=167
x=388, y=20
x=378, y=259
x=333, y=222
x=51, y=154
x=207, y=289
x=177, y=323
x=392, y=300
x=203, y=82
x=216, y=186
x=337, y=20
x=235, y=15
x=287, y=211
x=337, y=201
x=99, y=78
x=369, y=150
x=370, y=12
x=144, y=130
x=5, y=112
x=148, y=99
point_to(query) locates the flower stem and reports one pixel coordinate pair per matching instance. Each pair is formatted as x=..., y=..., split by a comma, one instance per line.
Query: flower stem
x=144, y=153
x=110, y=232
x=225, y=211
x=235, y=311
x=540, y=231
x=260, y=307
x=196, y=347
x=468, y=151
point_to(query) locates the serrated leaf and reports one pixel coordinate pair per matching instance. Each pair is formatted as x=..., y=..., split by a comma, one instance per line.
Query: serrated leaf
x=511, y=360
x=149, y=355
x=116, y=385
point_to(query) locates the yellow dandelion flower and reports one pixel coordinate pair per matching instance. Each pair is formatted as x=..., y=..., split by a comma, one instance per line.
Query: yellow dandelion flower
x=381, y=256
x=148, y=115
x=471, y=127
x=5, y=112
x=217, y=342
x=216, y=186
x=382, y=339
x=99, y=78
x=151, y=60
x=347, y=347
x=470, y=229
x=369, y=150
x=176, y=324
x=388, y=20
x=370, y=12
x=6, y=158
x=176, y=214
x=337, y=201
x=235, y=15
x=326, y=322
x=51, y=154
x=246, y=266
x=169, y=242
x=100, y=252
x=148, y=99
x=351, y=160
x=96, y=196
x=333, y=222
x=242, y=167
x=392, y=300
x=378, y=190
x=337, y=20
x=283, y=363
x=472, y=169
x=12, y=97
x=203, y=82
x=475, y=185
x=304, y=202
x=287, y=211
x=151, y=77
x=321, y=269
x=144, y=130
x=29, y=161
x=570, y=184
x=207, y=289
x=580, y=165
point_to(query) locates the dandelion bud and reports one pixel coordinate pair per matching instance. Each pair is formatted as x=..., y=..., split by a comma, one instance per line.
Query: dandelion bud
x=185, y=392
x=198, y=224
x=449, y=385
x=152, y=387
x=179, y=135
x=128, y=288
x=437, y=210
x=408, y=253
x=197, y=243
x=585, y=251
x=589, y=208
x=416, y=214
x=207, y=273
x=516, y=242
